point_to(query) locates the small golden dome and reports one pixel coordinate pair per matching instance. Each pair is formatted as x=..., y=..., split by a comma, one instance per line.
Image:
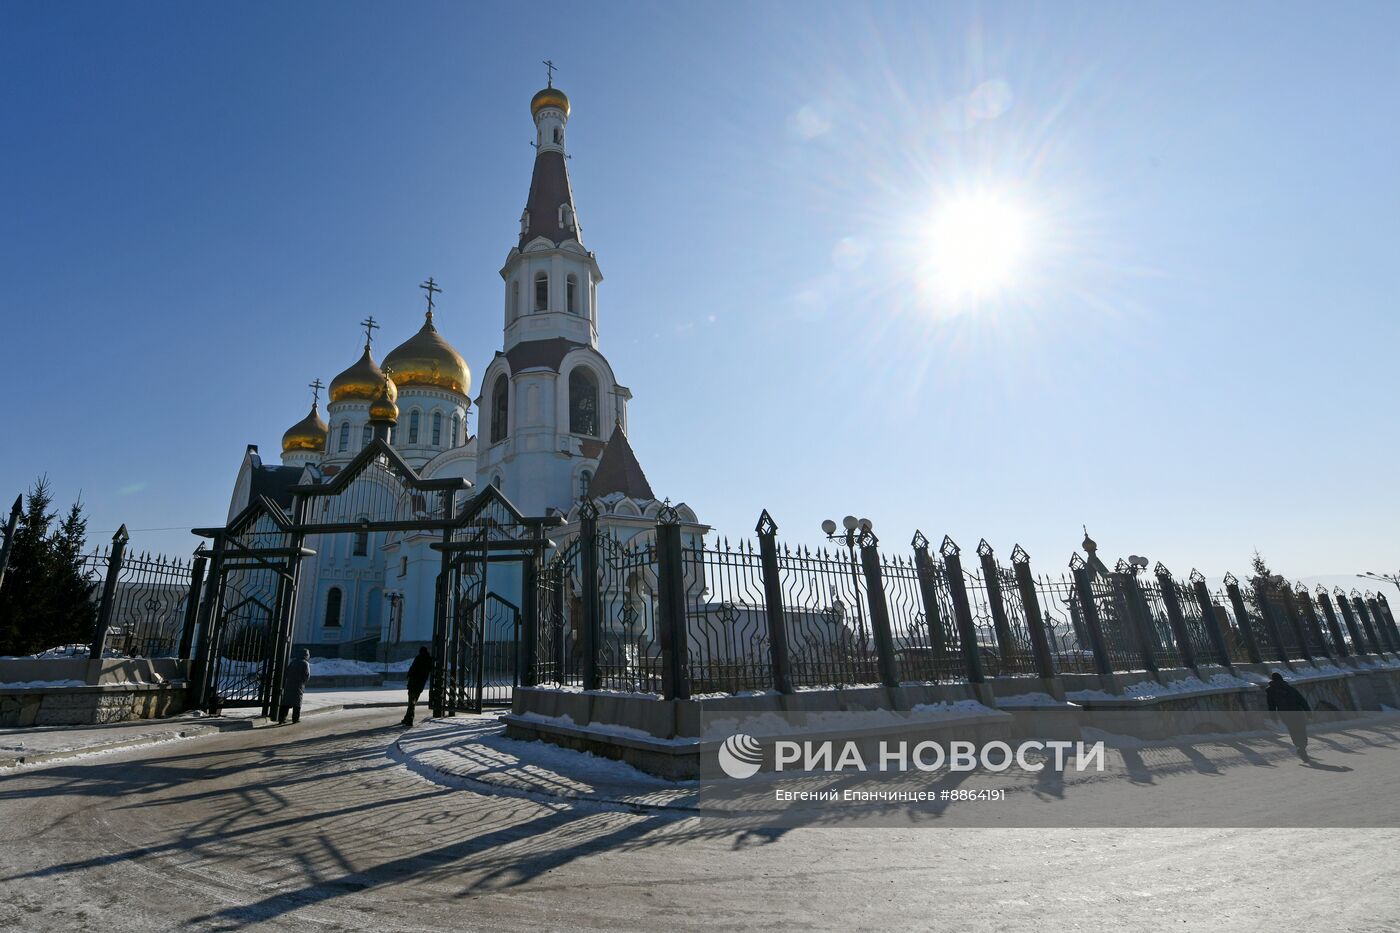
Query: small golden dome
x=358, y=383
x=384, y=407
x=425, y=359
x=549, y=97
x=307, y=434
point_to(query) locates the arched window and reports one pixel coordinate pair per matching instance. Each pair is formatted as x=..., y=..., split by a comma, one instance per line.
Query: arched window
x=344, y=436
x=500, y=408
x=455, y=424
x=413, y=427
x=333, y=608
x=583, y=402
x=437, y=428
x=585, y=479
x=571, y=293
x=365, y=436
x=558, y=136
x=515, y=299
x=496, y=481
x=361, y=544
x=541, y=291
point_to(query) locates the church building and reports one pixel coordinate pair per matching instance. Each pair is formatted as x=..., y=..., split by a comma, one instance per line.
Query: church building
x=552, y=419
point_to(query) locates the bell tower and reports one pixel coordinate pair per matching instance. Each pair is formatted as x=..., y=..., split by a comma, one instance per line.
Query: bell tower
x=549, y=400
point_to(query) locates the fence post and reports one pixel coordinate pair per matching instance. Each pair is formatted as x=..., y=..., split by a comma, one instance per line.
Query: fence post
x=591, y=635
x=528, y=644
x=1089, y=609
x=1242, y=621
x=438, y=683
x=1006, y=642
x=670, y=571
x=1334, y=626
x=197, y=685
x=1384, y=629
x=1389, y=617
x=1030, y=603
x=192, y=606
x=1377, y=647
x=962, y=610
x=1295, y=620
x=284, y=625
x=1133, y=603
x=1358, y=638
x=779, y=658
x=1174, y=615
x=928, y=594
x=1309, y=613
x=109, y=594
x=879, y=609
x=1210, y=620
x=10, y=524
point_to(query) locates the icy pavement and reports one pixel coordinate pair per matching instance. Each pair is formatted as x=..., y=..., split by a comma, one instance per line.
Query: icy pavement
x=473, y=752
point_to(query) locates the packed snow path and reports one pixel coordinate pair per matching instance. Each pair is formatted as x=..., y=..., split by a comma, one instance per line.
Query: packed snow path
x=317, y=827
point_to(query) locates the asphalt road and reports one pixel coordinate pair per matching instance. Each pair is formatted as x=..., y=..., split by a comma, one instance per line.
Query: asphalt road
x=317, y=827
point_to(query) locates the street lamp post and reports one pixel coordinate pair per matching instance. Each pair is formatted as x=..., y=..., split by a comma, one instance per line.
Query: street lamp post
x=853, y=528
x=1392, y=578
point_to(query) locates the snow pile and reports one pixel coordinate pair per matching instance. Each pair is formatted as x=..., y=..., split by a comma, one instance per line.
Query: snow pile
x=1151, y=690
x=340, y=667
x=42, y=684
x=1028, y=701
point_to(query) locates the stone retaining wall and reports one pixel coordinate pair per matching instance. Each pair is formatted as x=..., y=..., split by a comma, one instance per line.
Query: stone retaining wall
x=81, y=706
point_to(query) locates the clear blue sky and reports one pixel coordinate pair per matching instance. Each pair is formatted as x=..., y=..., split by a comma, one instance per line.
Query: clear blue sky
x=198, y=202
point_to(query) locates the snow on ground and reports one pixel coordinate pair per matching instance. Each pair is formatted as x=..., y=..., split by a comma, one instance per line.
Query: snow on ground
x=42, y=684
x=344, y=667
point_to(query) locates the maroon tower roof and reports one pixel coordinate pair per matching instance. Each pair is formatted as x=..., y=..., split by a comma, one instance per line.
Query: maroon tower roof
x=619, y=471
x=549, y=191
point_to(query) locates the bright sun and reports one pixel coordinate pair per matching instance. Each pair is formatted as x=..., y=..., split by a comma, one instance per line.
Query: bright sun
x=977, y=246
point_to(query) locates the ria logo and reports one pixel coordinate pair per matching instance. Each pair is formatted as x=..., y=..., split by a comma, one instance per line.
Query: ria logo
x=740, y=756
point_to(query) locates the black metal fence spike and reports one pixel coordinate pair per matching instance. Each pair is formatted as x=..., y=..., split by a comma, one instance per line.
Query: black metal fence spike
x=1076, y=562
x=1196, y=576
x=1019, y=555
x=1160, y=570
x=766, y=525
x=1231, y=579
x=949, y=547
x=984, y=549
x=919, y=541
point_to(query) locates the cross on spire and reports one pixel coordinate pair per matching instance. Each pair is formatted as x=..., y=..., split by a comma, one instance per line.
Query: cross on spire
x=315, y=388
x=430, y=287
x=549, y=66
x=370, y=327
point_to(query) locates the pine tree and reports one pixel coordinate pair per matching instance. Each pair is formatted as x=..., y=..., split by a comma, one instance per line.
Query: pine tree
x=45, y=600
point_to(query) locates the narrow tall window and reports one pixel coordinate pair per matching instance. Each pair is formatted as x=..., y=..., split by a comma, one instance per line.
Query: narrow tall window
x=541, y=291
x=413, y=428
x=403, y=566
x=455, y=427
x=514, y=300
x=585, y=479
x=437, y=428
x=500, y=408
x=571, y=293
x=361, y=543
x=365, y=436
x=333, y=608
x=344, y=436
x=583, y=402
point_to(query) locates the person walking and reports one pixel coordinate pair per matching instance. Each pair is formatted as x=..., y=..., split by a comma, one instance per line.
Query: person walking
x=294, y=687
x=418, y=673
x=1285, y=698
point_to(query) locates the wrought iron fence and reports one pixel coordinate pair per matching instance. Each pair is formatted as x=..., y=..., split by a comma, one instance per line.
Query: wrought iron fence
x=145, y=603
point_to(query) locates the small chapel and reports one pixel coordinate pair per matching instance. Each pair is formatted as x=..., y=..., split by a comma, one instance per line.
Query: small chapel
x=552, y=426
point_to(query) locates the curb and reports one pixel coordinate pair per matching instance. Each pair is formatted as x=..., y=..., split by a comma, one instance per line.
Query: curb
x=150, y=738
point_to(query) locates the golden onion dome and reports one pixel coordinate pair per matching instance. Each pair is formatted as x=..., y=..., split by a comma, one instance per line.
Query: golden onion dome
x=427, y=360
x=385, y=407
x=549, y=97
x=307, y=434
x=358, y=383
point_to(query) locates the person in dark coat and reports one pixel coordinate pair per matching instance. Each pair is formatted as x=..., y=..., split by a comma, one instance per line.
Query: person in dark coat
x=418, y=673
x=1285, y=698
x=294, y=687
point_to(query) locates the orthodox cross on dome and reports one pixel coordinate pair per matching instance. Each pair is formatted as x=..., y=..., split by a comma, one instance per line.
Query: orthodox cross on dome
x=431, y=288
x=370, y=327
x=315, y=388
x=549, y=66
